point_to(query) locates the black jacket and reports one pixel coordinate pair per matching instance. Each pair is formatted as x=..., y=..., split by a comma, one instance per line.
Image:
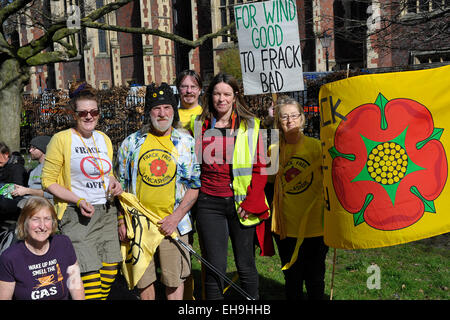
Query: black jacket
x=14, y=171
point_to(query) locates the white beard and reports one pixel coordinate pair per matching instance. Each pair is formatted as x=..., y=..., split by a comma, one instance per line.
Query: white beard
x=159, y=127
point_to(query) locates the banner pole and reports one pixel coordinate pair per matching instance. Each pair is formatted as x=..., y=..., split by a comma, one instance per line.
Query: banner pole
x=332, y=275
x=274, y=97
x=214, y=269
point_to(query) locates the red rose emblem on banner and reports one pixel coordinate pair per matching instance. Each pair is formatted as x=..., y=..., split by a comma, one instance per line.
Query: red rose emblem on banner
x=388, y=163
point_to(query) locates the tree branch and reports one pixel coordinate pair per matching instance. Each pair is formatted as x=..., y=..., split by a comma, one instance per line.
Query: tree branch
x=112, y=6
x=159, y=33
x=11, y=9
x=36, y=46
x=49, y=57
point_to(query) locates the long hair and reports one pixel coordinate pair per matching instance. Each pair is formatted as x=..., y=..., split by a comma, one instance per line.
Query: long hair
x=240, y=107
x=31, y=207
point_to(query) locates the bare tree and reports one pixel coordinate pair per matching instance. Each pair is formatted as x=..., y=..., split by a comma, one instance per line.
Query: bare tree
x=16, y=59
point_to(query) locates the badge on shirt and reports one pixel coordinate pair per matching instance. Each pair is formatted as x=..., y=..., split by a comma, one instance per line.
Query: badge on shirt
x=157, y=167
x=294, y=167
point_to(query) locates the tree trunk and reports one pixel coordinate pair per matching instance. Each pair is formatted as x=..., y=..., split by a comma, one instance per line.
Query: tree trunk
x=11, y=83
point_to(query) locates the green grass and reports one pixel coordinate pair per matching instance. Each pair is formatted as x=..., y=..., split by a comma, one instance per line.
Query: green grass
x=271, y=281
x=414, y=271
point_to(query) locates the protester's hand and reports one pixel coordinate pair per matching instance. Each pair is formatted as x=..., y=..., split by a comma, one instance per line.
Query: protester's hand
x=168, y=225
x=270, y=111
x=86, y=208
x=242, y=213
x=122, y=229
x=19, y=191
x=114, y=188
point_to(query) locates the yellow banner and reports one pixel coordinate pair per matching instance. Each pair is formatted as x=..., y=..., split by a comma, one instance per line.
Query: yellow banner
x=385, y=140
x=143, y=238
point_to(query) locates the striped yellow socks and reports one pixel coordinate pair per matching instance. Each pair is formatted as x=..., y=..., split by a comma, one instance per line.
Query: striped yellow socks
x=97, y=284
x=108, y=274
x=92, y=285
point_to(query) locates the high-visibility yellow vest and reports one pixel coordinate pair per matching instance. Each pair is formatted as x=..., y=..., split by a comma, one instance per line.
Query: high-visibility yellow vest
x=242, y=166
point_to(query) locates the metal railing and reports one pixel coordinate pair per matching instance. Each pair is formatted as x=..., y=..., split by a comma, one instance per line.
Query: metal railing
x=122, y=113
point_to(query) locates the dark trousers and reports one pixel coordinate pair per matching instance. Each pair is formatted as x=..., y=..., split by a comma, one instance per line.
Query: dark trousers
x=9, y=209
x=216, y=222
x=309, y=267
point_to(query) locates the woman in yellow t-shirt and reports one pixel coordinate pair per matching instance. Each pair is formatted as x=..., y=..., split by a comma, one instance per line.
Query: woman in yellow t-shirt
x=297, y=222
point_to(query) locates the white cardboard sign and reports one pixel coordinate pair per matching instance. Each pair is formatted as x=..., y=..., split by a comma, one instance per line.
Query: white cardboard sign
x=269, y=46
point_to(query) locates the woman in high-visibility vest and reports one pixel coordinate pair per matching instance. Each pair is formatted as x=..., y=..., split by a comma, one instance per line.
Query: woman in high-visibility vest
x=231, y=203
x=297, y=221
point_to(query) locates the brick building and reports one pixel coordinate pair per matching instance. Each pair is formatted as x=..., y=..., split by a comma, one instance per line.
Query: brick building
x=364, y=34
x=109, y=58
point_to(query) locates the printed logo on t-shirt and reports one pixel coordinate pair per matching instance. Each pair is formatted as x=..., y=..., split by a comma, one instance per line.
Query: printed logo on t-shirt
x=44, y=274
x=157, y=167
x=294, y=167
x=90, y=167
x=93, y=167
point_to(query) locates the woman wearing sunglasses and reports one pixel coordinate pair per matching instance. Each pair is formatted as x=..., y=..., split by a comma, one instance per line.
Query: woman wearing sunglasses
x=297, y=221
x=77, y=171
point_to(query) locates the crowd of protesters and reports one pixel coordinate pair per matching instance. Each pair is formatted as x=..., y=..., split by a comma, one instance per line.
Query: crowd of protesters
x=198, y=165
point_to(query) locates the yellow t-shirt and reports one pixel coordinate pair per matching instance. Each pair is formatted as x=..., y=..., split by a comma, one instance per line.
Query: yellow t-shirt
x=186, y=114
x=297, y=201
x=156, y=178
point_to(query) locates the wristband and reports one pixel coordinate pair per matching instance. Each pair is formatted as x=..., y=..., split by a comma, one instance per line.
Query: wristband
x=120, y=217
x=79, y=200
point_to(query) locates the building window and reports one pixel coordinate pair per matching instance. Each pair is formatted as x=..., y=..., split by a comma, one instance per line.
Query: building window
x=411, y=6
x=104, y=85
x=131, y=82
x=420, y=6
x=101, y=33
x=226, y=10
x=430, y=56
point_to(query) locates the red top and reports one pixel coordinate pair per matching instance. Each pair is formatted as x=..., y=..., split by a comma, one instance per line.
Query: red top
x=217, y=155
x=216, y=178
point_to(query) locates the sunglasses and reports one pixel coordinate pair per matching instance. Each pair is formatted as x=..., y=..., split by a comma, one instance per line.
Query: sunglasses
x=83, y=114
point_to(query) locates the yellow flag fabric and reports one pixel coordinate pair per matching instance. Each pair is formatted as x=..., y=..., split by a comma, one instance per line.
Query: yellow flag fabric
x=384, y=141
x=144, y=237
x=294, y=197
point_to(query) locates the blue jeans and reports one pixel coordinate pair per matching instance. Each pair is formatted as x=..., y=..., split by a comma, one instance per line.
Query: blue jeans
x=217, y=221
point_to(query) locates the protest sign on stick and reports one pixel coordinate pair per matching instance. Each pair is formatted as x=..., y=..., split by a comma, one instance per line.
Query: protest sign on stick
x=269, y=46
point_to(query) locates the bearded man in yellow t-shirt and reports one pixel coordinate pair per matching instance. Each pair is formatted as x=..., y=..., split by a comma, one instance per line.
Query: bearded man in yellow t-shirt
x=189, y=86
x=158, y=164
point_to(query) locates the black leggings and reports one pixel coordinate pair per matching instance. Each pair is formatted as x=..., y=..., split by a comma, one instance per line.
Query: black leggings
x=309, y=267
x=216, y=221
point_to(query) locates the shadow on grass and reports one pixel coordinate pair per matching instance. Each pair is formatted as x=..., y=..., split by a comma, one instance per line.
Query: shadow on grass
x=269, y=289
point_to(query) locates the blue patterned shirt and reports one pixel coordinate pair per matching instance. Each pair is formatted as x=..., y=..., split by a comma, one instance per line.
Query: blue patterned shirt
x=188, y=168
